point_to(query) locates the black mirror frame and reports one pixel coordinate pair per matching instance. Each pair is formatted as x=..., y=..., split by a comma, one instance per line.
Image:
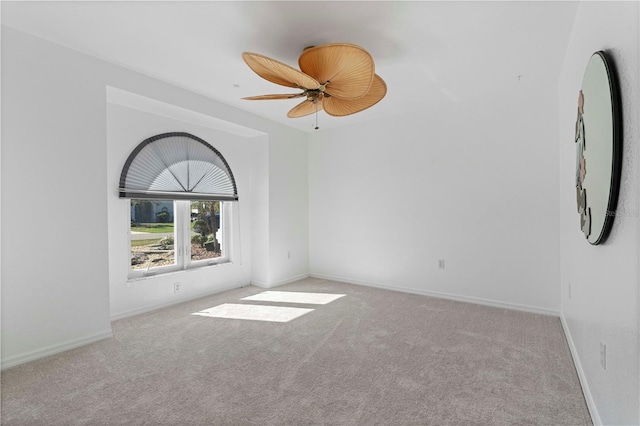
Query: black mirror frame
x=617, y=146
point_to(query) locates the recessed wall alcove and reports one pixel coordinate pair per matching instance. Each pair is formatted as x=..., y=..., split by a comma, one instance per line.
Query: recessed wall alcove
x=157, y=150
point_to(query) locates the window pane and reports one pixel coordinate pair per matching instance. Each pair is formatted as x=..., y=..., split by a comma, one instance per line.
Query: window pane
x=206, y=230
x=152, y=234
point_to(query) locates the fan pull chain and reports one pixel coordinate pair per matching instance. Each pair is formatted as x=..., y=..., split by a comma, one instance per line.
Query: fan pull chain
x=316, y=102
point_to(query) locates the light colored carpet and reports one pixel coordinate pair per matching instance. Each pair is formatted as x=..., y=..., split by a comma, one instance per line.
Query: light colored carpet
x=372, y=357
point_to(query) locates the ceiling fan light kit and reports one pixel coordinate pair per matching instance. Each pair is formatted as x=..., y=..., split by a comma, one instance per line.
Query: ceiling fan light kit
x=338, y=78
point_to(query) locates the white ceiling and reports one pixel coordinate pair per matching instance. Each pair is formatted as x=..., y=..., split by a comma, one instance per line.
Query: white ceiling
x=429, y=53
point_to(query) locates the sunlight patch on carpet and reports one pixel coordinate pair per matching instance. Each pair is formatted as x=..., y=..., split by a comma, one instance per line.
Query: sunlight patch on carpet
x=254, y=312
x=295, y=297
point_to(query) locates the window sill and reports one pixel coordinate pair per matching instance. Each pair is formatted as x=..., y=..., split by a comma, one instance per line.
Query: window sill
x=145, y=277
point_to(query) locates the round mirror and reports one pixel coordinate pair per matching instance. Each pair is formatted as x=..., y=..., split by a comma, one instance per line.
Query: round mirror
x=598, y=149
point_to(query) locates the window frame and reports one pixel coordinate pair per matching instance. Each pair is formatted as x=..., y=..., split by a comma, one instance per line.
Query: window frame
x=224, y=240
x=182, y=242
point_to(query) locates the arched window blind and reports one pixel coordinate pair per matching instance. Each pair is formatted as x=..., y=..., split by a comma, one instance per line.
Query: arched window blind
x=177, y=166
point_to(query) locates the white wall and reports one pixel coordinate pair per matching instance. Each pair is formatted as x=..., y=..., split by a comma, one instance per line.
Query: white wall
x=289, y=226
x=55, y=274
x=260, y=213
x=604, y=279
x=0, y=203
x=473, y=183
x=55, y=289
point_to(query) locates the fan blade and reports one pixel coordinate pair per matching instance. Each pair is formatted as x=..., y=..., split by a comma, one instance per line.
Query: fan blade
x=348, y=68
x=305, y=108
x=341, y=107
x=279, y=73
x=275, y=96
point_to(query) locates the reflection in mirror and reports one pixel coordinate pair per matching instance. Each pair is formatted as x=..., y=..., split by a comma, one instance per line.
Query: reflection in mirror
x=598, y=149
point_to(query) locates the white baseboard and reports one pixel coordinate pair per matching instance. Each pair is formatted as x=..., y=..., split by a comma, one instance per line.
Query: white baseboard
x=55, y=349
x=149, y=308
x=591, y=405
x=262, y=284
x=52, y=350
x=442, y=295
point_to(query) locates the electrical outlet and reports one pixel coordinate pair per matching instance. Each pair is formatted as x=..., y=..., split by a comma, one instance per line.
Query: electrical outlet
x=176, y=287
x=288, y=254
x=603, y=355
x=441, y=264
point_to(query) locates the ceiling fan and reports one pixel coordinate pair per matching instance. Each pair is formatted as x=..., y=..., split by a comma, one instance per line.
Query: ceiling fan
x=338, y=78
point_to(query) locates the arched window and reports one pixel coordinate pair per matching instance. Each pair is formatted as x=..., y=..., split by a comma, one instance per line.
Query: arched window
x=179, y=187
x=177, y=166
